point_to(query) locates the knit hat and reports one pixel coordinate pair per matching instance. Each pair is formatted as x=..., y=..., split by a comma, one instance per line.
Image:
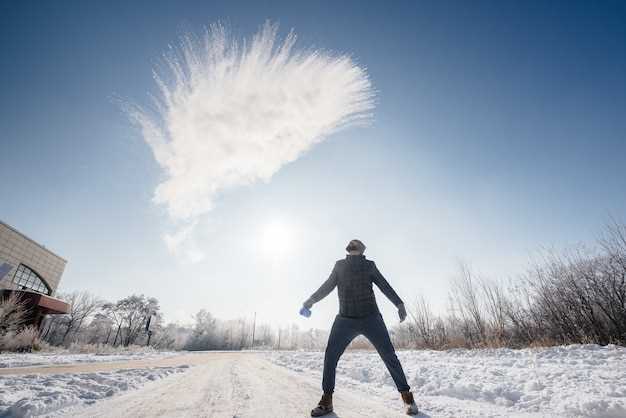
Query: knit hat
x=356, y=245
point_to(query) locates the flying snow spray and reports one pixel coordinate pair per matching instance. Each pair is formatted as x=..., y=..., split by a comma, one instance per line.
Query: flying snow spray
x=230, y=112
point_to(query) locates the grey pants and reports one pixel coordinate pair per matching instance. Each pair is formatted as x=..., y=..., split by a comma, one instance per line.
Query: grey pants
x=373, y=327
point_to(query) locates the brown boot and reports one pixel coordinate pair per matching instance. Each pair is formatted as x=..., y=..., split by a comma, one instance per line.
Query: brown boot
x=409, y=402
x=325, y=406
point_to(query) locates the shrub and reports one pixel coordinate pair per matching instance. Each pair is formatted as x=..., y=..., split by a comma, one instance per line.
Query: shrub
x=13, y=316
x=26, y=339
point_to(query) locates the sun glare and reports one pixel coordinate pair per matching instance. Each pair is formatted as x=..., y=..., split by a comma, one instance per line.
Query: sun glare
x=276, y=238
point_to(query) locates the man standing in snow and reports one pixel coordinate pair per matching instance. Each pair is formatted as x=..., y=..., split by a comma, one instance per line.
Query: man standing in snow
x=358, y=315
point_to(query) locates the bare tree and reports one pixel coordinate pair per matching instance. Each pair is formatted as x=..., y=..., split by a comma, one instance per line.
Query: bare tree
x=612, y=290
x=521, y=314
x=466, y=296
x=422, y=322
x=495, y=305
x=113, y=312
x=82, y=306
x=135, y=311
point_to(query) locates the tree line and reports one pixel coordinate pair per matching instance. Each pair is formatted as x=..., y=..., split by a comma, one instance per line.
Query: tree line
x=124, y=323
x=577, y=296
x=94, y=321
x=136, y=320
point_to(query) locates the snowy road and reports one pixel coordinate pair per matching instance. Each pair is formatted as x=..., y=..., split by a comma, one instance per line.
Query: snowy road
x=233, y=385
x=565, y=381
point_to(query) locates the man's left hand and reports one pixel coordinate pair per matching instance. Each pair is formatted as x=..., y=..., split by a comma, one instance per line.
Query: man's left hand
x=401, y=312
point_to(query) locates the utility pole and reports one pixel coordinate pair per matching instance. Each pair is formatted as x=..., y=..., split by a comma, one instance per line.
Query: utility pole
x=230, y=338
x=253, y=329
x=148, y=330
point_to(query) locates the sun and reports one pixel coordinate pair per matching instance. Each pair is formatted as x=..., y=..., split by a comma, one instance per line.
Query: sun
x=276, y=238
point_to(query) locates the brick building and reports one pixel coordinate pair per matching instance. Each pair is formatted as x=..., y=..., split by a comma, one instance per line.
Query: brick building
x=31, y=271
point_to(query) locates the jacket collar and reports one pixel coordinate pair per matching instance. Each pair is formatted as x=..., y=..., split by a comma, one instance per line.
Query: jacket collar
x=355, y=257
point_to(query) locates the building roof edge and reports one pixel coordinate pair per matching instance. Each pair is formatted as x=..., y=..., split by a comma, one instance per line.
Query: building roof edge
x=32, y=240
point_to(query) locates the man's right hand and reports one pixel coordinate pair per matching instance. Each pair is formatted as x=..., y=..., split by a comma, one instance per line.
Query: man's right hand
x=402, y=312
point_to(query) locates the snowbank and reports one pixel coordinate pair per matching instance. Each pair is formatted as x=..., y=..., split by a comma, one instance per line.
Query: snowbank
x=568, y=381
x=46, y=359
x=31, y=395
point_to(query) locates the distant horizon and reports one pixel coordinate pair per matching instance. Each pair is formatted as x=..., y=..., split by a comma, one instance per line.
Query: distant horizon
x=303, y=323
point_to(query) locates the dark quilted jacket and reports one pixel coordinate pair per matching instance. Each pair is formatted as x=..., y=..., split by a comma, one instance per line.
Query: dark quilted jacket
x=353, y=277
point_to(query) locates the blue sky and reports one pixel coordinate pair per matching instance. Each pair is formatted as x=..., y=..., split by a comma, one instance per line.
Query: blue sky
x=499, y=129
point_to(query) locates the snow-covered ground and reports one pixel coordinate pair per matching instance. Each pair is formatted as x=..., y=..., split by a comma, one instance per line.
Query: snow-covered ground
x=36, y=394
x=566, y=381
x=227, y=385
x=48, y=359
x=570, y=381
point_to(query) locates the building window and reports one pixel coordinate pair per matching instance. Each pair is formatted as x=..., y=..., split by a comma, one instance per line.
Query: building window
x=25, y=278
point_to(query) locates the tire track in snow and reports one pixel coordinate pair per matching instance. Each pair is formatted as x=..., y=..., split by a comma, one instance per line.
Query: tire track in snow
x=241, y=385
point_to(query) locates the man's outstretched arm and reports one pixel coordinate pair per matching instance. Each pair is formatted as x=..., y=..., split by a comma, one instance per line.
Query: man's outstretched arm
x=324, y=289
x=388, y=291
x=385, y=287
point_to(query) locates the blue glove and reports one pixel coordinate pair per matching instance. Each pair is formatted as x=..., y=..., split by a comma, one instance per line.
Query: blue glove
x=305, y=312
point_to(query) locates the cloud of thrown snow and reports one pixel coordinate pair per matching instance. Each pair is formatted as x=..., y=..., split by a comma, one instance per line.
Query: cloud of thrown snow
x=232, y=113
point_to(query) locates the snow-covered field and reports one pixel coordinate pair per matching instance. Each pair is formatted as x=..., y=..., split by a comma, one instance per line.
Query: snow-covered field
x=48, y=359
x=36, y=394
x=566, y=381
x=569, y=381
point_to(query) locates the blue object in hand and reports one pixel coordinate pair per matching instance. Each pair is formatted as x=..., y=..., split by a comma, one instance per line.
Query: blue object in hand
x=306, y=312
